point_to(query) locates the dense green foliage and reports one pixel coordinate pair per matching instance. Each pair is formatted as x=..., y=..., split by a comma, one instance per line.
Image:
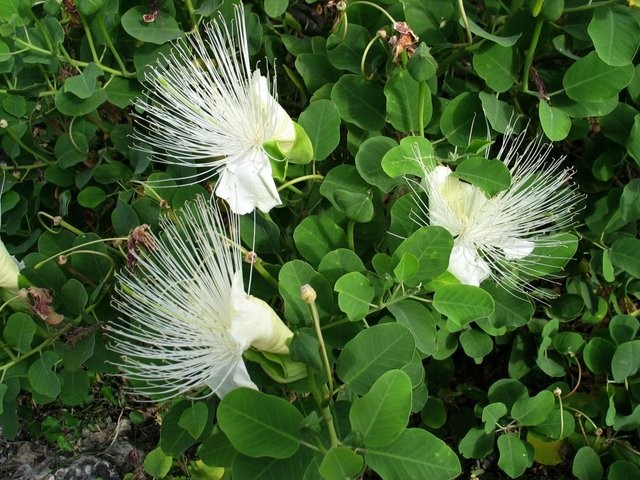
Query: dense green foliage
x=429, y=378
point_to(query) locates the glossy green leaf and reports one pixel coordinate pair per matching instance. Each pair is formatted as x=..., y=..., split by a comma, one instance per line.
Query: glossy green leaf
x=369, y=162
x=626, y=360
x=260, y=425
x=432, y=247
x=497, y=66
x=194, y=418
x=415, y=453
x=359, y=101
x=316, y=71
x=71, y=149
x=91, y=197
x=19, y=331
x=462, y=304
x=382, y=413
x=373, y=352
x=174, y=439
x=475, y=343
x=503, y=41
x=321, y=121
x=75, y=387
x=403, y=101
x=292, y=276
x=275, y=8
x=615, y=35
x=533, y=410
x=461, y=119
x=417, y=318
x=316, y=235
x=157, y=463
x=43, y=380
x=586, y=464
x=163, y=29
x=591, y=80
x=340, y=463
x=491, y=416
x=490, y=176
x=346, y=48
x=624, y=255
x=555, y=122
x=84, y=84
x=355, y=293
x=414, y=156
x=514, y=456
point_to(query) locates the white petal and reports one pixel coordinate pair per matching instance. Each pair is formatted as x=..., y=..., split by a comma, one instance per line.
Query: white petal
x=234, y=376
x=515, y=248
x=254, y=322
x=247, y=184
x=283, y=130
x=8, y=269
x=467, y=266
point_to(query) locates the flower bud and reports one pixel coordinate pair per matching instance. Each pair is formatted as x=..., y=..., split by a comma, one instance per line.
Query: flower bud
x=308, y=294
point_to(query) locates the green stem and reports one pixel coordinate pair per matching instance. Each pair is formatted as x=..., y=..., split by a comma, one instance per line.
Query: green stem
x=265, y=274
x=114, y=52
x=27, y=149
x=364, y=57
x=422, y=95
x=315, y=317
x=304, y=178
x=192, y=16
x=535, y=37
x=74, y=250
x=591, y=6
x=377, y=7
x=57, y=221
x=87, y=32
x=465, y=20
x=350, y=235
x=39, y=348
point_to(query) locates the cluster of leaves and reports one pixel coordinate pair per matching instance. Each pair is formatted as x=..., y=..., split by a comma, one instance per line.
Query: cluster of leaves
x=486, y=380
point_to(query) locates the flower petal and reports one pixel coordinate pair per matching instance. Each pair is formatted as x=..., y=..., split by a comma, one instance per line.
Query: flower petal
x=247, y=184
x=515, y=248
x=8, y=269
x=284, y=131
x=228, y=378
x=254, y=322
x=467, y=266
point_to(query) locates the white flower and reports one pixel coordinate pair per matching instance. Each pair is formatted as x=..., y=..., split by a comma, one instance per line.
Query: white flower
x=206, y=109
x=496, y=236
x=9, y=269
x=188, y=319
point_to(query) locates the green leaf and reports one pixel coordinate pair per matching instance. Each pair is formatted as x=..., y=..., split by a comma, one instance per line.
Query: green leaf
x=623, y=470
x=71, y=150
x=383, y=412
x=462, y=304
x=476, y=444
x=359, y=101
x=624, y=255
x=461, y=120
x=475, y=343
x=403, y=100
x=345, y=48
x=338, y=262
x=415, y=453
x=157, y=463
x=432, y=247
x=355, y=293
x=91, y=197
x=163, y=29
x=69, y=104
x=124, y=218
x=292, y=276
x=417, y=318
x=121, y=92
x=84, y=84
x=633, y=142
x=321, y=121
x=499, y=113
x=316, y=235
x=369, y=159
x=260, y=425
x=74, y=296
x=275, y=469
x=275, y=8
x=19, y=331
x=503, y=41
x=75, y=387
x=491, y=415
x=406, y=268
x=597, y=355
x=507, y=391
x=490, y=176
x=623, y=328
x=316, y=71
x=217, y=451
x=592, y=80
x=340, y=463
x=89, y=7
x=555, y=123
x=497, y=66
x=356, y=206
x=73, y=357
x=42, y=379
x=533, y=410
x=514, y=456
x=194, y=419
x=373, y=352
x=615, y=35
x=414, y=156
x=586, y=464
x=626, y=360
x=174, y=439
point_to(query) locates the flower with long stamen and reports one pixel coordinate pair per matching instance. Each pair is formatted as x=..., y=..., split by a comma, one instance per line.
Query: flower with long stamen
x=500, y=236
x=205, y=108
x=188, y=320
